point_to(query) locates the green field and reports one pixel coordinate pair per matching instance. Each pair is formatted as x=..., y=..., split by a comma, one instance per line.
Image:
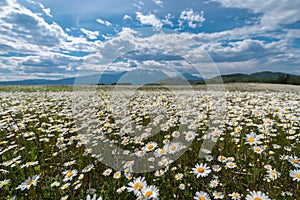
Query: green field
x=59, y=144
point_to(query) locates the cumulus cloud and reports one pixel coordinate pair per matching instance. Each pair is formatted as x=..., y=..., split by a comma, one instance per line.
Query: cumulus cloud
x=174, y=50
x=149, y=19
x=29, y=44
x=203, y=50
x=158, y=2
x=104, y=22
x=24, y=31
x=90, y=34
x=34, y=47
x=274, y=13
x=193, y=19
x=244, y=50
x=24, y=25
x=126, y=17
x=167, y=19
x=47, y=11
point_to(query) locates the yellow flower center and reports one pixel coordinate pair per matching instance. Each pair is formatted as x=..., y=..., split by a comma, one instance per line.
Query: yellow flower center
x=298, y=176
x=69, y=174
x=162, y=151
x=138, y=185
x=173, y=147
x=148, y=194
x=251, y=140
x=201, y=198
x=127, y=163
x=150, y=146
x=138, y=140
x=235, y=195
x=257, y=198
x=30, y=182
x=296, y=161
x=200, y=169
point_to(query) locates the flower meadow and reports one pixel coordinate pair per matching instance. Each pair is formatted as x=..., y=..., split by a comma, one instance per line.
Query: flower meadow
x=169, y=146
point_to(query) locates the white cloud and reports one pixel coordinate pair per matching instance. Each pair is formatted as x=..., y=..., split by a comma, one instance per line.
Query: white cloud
x=23, y=31
x=90, y=34
x=244, y=50
x=126, y=17
x=158, y=2
x=35, y=46
x=252, y=53
x=274, y=12
x=167, y=19
x=149, y=19
x=28, y=32
x=52, y=49
x=178, y=44
x=104, y=22
x=194, y=19
x=293, y=33
x=47, y=11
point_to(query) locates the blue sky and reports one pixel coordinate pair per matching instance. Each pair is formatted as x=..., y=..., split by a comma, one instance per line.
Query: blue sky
x=56, y=39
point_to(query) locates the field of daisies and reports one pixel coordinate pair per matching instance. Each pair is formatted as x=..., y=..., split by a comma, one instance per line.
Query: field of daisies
x=153, y=144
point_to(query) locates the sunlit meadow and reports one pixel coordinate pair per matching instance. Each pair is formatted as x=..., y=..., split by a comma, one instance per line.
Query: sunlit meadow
x=45, y=153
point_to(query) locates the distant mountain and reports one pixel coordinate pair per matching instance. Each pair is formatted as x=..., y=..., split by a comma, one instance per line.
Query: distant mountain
x=259, y=77
x=91, y=79
x=142, y=77
x=191, y=77
x=135, y=77
x=148, y=77
x=174, y=81
x=183, y=79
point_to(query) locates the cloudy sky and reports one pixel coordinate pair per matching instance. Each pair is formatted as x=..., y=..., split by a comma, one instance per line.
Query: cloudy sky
x=56, y=39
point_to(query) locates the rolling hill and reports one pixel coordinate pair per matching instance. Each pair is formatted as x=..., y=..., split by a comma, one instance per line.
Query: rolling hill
x=258, y=77
x=156, y=77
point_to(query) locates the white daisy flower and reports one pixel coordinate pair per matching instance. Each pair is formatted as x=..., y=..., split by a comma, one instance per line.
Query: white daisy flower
x=201, y=170
x=257, y=195
x=201, y=196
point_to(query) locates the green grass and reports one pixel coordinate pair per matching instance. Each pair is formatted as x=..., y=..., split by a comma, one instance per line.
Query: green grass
x=39, y=125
